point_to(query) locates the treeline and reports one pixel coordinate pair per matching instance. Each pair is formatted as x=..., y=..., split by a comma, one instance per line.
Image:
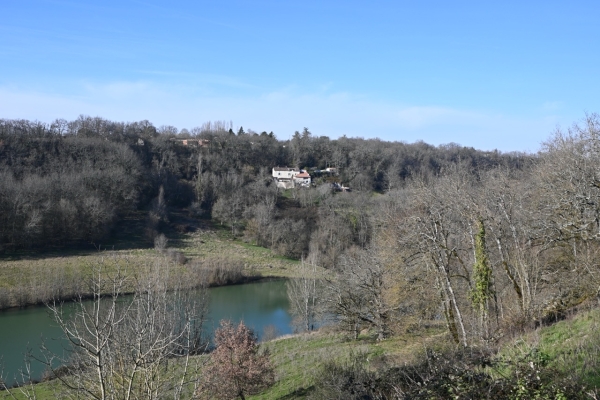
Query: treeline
x=488, y=252
x=71, y=182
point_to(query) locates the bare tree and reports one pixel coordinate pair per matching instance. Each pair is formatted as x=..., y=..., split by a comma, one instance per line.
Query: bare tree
x=236, y=367
x=229, y=210
x=120, y=346
x=512, y=219
x=569, y=197
x=360, y=293
x=330, y=239
x=437, y=238
x=305, y=294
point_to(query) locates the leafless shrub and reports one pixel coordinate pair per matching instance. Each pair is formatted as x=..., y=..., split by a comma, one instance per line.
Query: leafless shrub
x=160, y=242
x=270, y=332
x=236, y=367
x=218, y=272
x=176, y=256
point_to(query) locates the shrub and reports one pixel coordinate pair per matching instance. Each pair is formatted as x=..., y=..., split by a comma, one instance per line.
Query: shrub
x=236, y=367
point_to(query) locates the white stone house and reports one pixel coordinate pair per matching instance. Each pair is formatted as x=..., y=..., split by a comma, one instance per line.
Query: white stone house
x=302, y=179
x=285, y=172
x=288, y=178
x=284, y=176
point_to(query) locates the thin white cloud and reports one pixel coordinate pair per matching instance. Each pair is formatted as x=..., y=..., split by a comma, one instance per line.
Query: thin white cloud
x=283, y=111
x=421, y=117
x=552, y=105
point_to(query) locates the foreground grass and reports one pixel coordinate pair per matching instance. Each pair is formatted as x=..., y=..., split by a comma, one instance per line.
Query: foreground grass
x=41, y=391
x=571, y=347
x=299, y=358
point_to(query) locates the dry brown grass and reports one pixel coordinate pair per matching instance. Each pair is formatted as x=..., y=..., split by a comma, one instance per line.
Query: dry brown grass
x=211, y=258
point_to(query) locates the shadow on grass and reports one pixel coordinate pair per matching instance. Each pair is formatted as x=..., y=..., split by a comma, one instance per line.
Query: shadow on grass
x=299, y=393
x=128, y=234
x=131, y=233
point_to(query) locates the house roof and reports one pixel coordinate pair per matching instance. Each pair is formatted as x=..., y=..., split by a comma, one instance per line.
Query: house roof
x=302, y=175
x=284, y=169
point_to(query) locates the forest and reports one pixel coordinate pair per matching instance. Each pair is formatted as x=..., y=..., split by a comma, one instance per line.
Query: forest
x=487, y=244
x=70, y=183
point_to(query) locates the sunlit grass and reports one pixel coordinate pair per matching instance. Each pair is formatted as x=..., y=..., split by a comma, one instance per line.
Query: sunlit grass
x=299, y=359
x=25, y=277
x=571, y=347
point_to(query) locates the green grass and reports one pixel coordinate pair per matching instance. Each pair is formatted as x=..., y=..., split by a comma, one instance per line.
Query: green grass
x=42, y=391
x=571, y=347
x=287, y=193
x=298, y=359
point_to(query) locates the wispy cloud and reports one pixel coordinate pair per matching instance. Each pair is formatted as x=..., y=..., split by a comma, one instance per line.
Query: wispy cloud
x=552, y=105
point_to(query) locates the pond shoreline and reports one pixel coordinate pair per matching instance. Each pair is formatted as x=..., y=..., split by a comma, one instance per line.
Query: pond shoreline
x=87, y=296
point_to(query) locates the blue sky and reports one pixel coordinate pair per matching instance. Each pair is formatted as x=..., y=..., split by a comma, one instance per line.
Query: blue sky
x=490, y=75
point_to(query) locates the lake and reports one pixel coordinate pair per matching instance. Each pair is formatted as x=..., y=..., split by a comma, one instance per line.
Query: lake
x=259, y=305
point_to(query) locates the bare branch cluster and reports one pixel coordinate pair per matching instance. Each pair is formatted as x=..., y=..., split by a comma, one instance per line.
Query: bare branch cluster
x=129, y=346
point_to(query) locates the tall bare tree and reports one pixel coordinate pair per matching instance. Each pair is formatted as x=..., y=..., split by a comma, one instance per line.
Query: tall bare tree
x=510, y=205
x=305, y=294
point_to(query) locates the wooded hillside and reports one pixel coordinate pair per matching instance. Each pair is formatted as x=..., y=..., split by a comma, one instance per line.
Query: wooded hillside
x=71, y=182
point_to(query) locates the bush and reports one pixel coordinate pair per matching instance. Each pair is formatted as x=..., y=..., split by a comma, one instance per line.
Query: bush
x=349, y=380
x=176, y=256
x=235, y=368
x=456, y=374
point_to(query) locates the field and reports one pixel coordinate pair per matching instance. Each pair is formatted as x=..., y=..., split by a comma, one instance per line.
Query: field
x=29, y=277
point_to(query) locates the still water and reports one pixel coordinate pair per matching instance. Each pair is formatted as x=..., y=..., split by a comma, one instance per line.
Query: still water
x=259, y=305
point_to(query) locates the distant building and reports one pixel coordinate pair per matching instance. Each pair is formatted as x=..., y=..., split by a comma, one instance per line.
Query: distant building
x=288, y=178
x=340, y=188
x=285, y=172
x=193, y=142
x=302, y=179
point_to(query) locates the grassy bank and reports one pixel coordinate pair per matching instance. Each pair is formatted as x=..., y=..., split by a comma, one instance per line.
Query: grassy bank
x=570, y=347
x=299, y=359
x=28, y=278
